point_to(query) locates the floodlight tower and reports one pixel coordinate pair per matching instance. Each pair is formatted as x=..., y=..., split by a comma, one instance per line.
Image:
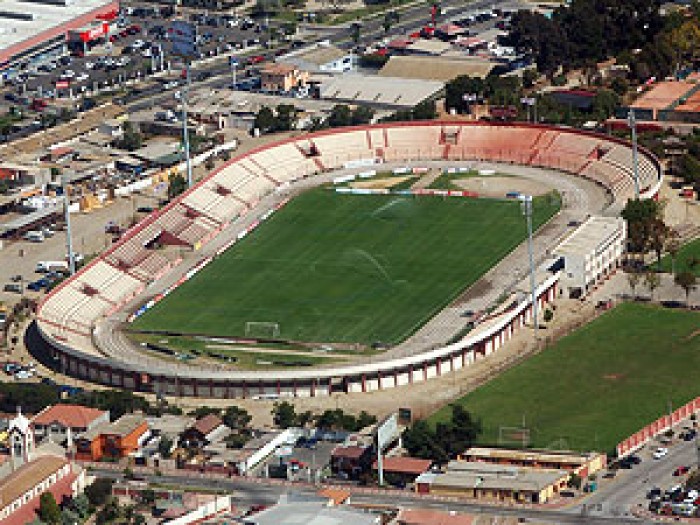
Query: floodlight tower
x=69, y=235
x=632, y=121
x=526, y=205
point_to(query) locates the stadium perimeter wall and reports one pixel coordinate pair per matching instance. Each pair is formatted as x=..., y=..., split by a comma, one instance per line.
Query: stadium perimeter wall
x=180, y=380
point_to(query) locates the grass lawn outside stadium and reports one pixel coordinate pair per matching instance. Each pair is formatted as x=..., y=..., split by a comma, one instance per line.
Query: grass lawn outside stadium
x=347, y=268
x=684, y=259
x=597, y=386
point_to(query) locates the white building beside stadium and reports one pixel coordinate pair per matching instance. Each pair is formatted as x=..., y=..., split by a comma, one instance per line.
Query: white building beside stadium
x=591, y=253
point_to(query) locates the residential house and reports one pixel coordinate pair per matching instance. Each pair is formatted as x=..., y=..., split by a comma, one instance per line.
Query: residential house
x=61, y=423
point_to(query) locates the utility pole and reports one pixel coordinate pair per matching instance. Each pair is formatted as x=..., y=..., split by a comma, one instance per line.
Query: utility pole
x=526, y=202
x=632, y=121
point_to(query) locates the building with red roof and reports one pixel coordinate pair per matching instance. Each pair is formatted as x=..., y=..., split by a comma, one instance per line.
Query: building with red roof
x=403, y=468
x=64, y=422
x=432, y=517
x=351, y=460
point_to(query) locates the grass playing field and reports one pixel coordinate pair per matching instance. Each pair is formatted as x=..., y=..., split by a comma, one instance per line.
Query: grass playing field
x=598, y=385
x=347, y=268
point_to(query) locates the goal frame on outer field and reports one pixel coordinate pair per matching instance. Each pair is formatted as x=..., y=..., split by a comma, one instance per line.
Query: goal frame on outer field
x=260, y=327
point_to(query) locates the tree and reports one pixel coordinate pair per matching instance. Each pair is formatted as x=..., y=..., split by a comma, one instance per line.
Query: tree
x=652, y=280
x=131, y=139
x=688, y=281
x=49, y=512
x=419, y=440
x=99, y=491
x=201, y=411
x=340, y=116
x=658, y=235
x=673, y=246
x=237, y=418
x=355, y=29
x=640, y=215
x=69, y=517
x=81, y=505
x=575, y=481
x=424, y=110
x=176, y=185
x=286, y=117
x=264, y=120
x=529, y=78
x=458, y=91
x=633, y=280
x=284, y=414
x=165, y=447
x=361, y=115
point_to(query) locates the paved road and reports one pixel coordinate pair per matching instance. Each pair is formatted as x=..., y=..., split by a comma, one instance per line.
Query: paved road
x=262, y=493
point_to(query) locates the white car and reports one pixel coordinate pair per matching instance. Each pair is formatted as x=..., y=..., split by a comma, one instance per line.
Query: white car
x=138, y=44
x=82, y=77
x=660, y=453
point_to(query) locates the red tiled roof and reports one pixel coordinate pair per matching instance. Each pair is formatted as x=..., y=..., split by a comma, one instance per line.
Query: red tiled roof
x=207, y=424
x=73, y=416
x=405, y=465
x=351, y=452
x=27, y=512
x=432, y=517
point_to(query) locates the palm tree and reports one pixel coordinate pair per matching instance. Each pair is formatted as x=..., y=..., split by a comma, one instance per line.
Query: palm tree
x=633, y=280
x=673, y=246
x=688, y=281
x=652, y=280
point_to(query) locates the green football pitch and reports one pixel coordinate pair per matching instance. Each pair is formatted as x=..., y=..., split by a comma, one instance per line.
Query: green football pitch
x=347, y=268
x=597, y=386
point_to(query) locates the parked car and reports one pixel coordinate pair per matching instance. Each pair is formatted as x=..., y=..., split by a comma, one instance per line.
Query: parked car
x=683, y=469
x=660, y=453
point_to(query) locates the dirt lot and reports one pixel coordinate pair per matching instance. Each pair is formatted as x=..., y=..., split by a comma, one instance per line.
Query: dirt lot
x=499, y=186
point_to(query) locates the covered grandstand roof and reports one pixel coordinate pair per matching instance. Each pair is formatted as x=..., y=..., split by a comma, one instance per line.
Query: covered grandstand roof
x=382, y=91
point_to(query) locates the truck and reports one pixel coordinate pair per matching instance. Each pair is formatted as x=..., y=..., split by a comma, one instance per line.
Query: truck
x=51, y=266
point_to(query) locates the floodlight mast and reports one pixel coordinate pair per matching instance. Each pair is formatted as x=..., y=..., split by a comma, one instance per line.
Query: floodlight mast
x=185, y=132
x=69, y=234
x=526, y=204
x=632, y=121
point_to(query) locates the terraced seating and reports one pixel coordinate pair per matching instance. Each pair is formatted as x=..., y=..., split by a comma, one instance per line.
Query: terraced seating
x=336, y=149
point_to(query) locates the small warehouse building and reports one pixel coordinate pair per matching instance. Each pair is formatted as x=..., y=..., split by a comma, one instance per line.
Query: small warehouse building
x=582, y=464
x=491, y=482
x=205, y=430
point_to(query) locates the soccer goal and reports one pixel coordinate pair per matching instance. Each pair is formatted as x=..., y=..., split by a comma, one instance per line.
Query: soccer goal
x=513, y=437
x=262, y=330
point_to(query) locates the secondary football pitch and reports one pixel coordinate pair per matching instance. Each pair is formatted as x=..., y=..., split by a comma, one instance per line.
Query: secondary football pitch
x=348, y=268
x=599, y=385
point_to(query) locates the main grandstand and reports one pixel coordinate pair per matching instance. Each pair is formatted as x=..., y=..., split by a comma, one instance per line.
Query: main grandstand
x=77, y=320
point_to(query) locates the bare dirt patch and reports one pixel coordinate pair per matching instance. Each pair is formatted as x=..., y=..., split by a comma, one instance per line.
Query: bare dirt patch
x=378, y=184
x=498, y=186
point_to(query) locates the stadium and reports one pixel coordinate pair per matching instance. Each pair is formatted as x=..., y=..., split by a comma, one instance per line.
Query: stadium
x=82, y=320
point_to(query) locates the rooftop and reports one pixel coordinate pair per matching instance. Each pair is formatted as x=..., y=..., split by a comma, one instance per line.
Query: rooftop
x=662, y=95
x=489, y=476
x=431, y=47
x=593, y=235
x=435, y=68
x=73, y=416
x=207, y=424
x=22, y=21
x=319, y=54
x=432, y=517
x=551, y=456
x=390, y=92
x=311, y=513
x=405, y=465
x=27, y=476
x=351, y=452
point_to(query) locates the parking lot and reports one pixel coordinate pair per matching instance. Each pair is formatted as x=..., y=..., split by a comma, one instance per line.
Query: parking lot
x=654, y=476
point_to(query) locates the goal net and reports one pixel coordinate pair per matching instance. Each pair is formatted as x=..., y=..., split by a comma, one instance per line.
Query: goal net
x=262, y=330
x=514, y=436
